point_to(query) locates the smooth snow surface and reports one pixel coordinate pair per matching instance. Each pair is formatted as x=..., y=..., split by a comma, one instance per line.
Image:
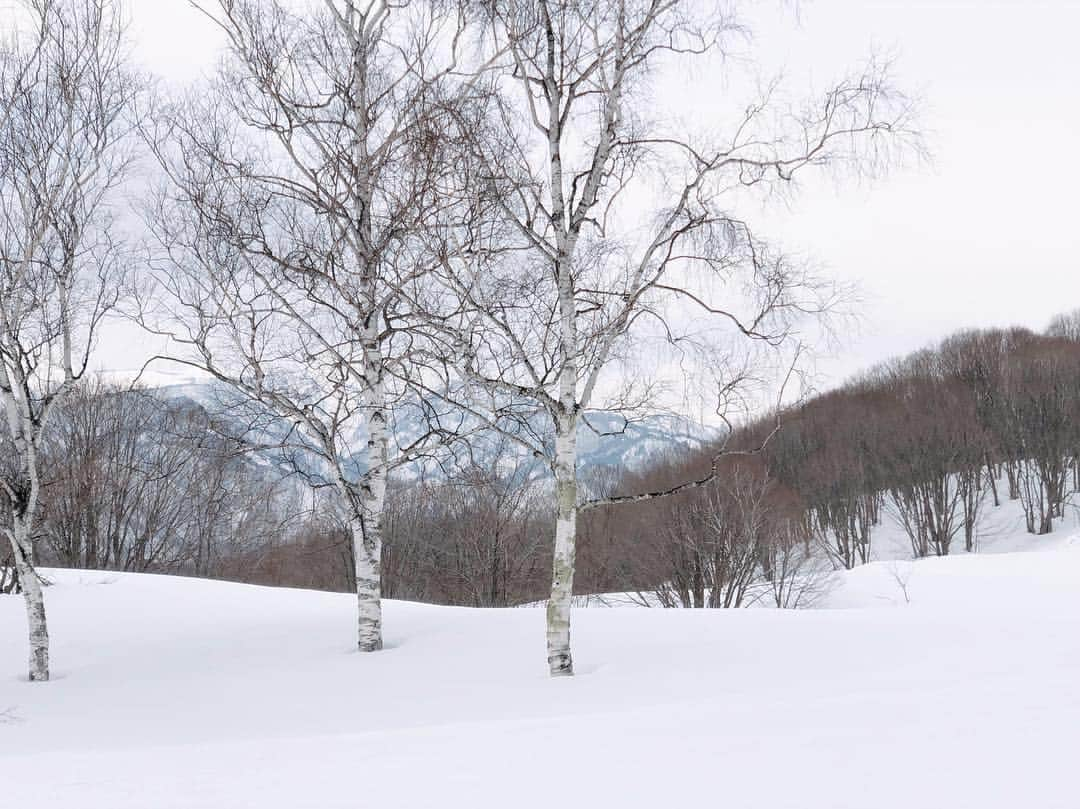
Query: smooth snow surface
x=173, y=692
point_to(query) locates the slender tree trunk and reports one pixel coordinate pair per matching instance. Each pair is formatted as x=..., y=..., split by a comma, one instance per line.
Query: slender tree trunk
x=496, y=564
x=34, y=599
x=560, y=662
x=370, y=505
x=367, y=550
x=1014, y=485
x=20, y=533
x=991, y=475
x=698, y=580
x=368, y=522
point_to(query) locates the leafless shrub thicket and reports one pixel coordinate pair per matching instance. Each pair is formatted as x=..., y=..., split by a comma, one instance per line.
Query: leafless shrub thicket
x=739, y=540
x=137, y=483
x=134, y=482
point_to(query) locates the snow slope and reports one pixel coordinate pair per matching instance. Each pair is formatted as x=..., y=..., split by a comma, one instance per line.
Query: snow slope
x=998, y=529
x=174, y=692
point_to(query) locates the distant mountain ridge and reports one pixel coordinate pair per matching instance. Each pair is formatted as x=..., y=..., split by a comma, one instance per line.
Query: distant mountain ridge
x=607, y=440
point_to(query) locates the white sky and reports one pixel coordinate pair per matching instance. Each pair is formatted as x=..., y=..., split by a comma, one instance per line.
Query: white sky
x=985, y=235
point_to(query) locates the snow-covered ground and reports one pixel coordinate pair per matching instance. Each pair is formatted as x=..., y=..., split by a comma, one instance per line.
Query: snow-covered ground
x=173, y=692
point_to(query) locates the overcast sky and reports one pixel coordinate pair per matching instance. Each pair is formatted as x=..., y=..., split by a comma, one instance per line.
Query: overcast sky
x=987, y=235
x=984, y=235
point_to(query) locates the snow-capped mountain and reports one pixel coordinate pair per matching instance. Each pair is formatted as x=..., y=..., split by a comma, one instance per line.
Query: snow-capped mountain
x=605, y=439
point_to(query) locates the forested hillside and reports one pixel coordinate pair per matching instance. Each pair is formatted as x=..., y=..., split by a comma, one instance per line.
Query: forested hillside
x=932, y=441
x=151, y=482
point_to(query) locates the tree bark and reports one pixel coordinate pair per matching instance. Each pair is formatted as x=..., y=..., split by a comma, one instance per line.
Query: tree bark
x=367, y=550
x=34, y=598
x=370, y=505
x=560, y=662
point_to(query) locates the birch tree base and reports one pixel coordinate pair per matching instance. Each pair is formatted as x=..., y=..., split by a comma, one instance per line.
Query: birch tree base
x=561, y=664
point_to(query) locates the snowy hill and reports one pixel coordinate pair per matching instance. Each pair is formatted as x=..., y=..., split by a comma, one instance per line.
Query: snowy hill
x=173, y=692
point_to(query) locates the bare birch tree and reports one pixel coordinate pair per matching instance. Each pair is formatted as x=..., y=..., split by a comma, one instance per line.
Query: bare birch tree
x=65, y=99
x=297, y=183
x=613, y=228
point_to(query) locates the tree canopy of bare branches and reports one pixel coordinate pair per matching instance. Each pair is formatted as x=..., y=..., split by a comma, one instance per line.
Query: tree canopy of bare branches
x=598, y=234
x=297, y=184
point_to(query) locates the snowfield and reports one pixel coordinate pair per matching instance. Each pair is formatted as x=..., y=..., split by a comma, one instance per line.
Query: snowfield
x=172, y=692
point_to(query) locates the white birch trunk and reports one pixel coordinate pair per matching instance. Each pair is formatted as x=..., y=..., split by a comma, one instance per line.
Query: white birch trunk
x=20, y=425
x=368, y=535
x=34, y=598
x=368, y=505
x=367, y=551
x=560, y=662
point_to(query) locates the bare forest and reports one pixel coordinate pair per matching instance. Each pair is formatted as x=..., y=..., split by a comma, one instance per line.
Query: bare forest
x=142, y=482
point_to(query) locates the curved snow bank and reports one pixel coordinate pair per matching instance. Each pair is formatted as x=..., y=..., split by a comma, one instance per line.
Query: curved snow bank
x=185, y=693
x=997, y=581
